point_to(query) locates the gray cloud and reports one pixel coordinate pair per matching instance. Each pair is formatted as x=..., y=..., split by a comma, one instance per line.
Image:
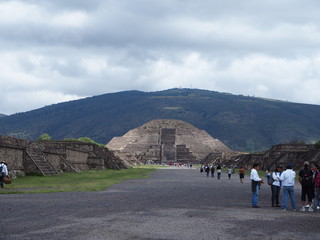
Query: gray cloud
x=54, y=51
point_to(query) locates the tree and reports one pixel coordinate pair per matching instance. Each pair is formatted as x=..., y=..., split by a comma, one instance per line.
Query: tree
x=44, y=137
x=317, y=144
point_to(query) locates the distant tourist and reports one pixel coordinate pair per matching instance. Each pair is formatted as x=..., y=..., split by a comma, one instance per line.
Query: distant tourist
x=229, y=172
x=207, y=169
x=255, y=185
x=307, y=189
x=316, y=180
x=3, y=172
x=268, y=176
x=219, y=171
x=275, y=187
x=201, y=168
x=212, y=171
x=268, y=171
x=241, y=174
x=287, y=181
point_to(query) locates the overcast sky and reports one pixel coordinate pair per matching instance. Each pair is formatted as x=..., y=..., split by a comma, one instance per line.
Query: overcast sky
x=58, y=50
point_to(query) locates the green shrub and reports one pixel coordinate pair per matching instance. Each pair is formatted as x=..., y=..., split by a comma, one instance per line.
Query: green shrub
x=44, y=137
x=86, y=140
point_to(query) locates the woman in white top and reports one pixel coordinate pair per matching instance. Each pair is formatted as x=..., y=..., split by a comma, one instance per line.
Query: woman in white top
x=275, y=187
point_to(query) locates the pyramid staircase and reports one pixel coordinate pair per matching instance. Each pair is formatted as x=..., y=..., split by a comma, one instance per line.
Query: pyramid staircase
x=40, y=160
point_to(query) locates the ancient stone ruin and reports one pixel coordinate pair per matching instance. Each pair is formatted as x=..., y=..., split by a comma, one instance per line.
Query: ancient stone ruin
x=281, y=154
x=49, y=157
x=165, y=141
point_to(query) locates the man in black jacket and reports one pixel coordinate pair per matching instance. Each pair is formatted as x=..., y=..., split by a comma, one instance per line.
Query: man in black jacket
x=307, y=188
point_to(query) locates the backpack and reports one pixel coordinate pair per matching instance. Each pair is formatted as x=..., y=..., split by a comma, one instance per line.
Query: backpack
x=317, y=179
x=270, y=179
x=306, y=177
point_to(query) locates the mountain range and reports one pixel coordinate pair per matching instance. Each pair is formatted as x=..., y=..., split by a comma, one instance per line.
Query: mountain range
x=243, y=123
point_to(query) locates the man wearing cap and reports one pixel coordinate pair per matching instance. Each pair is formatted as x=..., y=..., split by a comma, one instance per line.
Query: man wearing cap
x=287, y=181
x=3, y=172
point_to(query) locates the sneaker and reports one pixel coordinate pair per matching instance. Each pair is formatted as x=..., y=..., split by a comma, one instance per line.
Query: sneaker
x=303, y=209
x=283, y=209
x=318, y=207
x=307, y=206
x=310, y=209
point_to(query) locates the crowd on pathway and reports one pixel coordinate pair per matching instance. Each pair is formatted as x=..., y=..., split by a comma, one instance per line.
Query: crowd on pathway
x=210, y=169
x=309, y=178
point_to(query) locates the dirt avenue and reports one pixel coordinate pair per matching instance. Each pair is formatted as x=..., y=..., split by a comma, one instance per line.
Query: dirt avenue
x=171, y=204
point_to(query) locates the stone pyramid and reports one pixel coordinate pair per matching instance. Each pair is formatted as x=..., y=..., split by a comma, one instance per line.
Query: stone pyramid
x=166, y=141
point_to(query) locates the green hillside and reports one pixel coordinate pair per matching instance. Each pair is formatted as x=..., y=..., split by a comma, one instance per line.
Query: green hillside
x=242, y=123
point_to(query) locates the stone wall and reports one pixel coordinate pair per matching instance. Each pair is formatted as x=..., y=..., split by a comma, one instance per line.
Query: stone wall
x=78, y=158
x=54, y=159
x=63, y=156
x=14, y=157
x=282, y=154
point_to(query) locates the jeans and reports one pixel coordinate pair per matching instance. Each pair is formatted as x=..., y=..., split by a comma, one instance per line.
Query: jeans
x=275, y=195
x=254, y=198
x=219, y=175
x=288, y=190
x=316, y=198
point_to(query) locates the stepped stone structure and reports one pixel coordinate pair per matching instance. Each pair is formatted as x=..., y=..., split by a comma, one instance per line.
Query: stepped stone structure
x=165, y=141
x=281, y=154
x=49, y=157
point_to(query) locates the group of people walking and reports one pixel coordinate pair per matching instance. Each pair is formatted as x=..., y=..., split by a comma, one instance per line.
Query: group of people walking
x=309, y=179
x=212, y=169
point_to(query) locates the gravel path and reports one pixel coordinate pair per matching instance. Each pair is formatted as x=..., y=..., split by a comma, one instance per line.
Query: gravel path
x=171, y=204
